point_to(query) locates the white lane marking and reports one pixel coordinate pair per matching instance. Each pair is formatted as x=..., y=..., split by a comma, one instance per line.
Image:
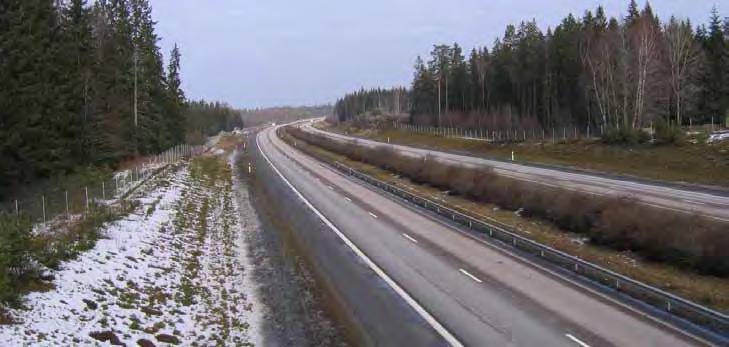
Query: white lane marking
x=437, y=326
x=373, y=215
x=470, y=276
x=576, y=340
x=410, y=238
x=330, y=187
x=348, y=199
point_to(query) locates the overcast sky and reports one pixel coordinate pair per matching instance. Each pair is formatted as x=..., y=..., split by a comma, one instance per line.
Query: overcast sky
x=259, y=53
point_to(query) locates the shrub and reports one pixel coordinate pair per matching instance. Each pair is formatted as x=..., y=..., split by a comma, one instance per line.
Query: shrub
x=669, y=134
x=625, y=135
x=15, y=261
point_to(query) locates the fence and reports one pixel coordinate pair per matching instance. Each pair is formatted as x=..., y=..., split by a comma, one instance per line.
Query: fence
x=511, y=135
x=674, y=307
x=553, y=135
x=66, y=202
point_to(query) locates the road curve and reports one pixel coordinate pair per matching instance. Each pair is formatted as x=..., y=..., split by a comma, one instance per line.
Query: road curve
x=480, y=295
x=683, y=200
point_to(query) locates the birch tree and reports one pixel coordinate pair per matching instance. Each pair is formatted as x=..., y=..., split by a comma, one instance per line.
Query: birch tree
x=682, y=55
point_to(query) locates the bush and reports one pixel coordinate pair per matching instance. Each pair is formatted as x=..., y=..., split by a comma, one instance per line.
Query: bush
x=624, y=135
x=669, y=134
x=15, y=250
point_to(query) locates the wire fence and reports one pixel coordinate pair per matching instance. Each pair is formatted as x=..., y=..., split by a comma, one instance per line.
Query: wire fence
x=68, y=202
x=553, y=135
x=696, y=318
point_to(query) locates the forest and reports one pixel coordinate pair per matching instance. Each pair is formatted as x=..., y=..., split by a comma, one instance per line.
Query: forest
x=85, y=84
x=595, y=73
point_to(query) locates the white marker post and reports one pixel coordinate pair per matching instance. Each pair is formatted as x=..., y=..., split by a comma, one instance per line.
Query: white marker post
x=512, y=155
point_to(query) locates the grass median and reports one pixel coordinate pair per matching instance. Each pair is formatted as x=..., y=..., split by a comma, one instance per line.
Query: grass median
x=616, y=234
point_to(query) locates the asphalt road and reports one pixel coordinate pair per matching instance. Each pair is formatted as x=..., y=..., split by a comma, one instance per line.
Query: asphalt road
x=469, y=292
x=683, y=200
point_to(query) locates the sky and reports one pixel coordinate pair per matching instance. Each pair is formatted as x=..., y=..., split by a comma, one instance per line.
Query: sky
x=263, y=53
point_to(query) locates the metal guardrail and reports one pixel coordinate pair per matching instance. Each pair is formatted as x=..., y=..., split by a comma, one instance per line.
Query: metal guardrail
x=668, y=303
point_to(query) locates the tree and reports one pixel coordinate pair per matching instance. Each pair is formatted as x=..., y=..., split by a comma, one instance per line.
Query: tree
x=713, y=101
x=176, y=95
x=440, y=67
x=682, y=53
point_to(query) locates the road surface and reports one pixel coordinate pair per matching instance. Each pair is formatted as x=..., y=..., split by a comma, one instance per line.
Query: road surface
x=683, y=200
x=467, y=291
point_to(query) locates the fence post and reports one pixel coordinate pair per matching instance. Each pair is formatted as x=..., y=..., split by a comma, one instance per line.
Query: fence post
x=86, y=190
x=43, y=202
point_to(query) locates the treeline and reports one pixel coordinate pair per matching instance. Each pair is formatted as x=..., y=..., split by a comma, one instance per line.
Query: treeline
x=593, y=71
x=285, y=114
x=390, y=101
x=82, y=84
x=205, y=119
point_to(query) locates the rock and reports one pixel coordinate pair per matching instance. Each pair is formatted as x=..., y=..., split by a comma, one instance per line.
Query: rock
x=91, y=305
x=145, y=343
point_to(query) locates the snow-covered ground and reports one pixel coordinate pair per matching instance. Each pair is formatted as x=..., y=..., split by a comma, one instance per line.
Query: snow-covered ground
x=174, y=271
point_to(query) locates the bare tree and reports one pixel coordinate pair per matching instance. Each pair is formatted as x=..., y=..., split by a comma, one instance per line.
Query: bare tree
x=682, y=56
x=644, y=37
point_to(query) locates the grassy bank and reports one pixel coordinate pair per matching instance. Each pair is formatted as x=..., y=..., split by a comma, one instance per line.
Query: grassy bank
x=678, y=278
x=692, y=163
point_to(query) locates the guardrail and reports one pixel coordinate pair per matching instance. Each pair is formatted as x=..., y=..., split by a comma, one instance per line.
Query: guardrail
x=674, y=306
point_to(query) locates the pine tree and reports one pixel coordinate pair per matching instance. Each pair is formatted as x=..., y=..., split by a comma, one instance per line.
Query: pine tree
x=76, y=59
x=712, y=100
x=176, y=103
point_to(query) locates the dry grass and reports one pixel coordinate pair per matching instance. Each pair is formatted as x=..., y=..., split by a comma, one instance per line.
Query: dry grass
x=547, y=227
x=694, y=163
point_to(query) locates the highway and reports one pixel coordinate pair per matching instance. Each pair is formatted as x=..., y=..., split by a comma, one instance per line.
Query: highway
x=714, y=205
x=466, y=290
